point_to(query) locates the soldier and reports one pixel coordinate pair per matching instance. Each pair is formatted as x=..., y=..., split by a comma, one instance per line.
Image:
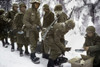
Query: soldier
x=11, y=15
x=92, y=45
x=18, y=25
x=47, y=20
x=3, y=28
x=62, y=17
x=48, y=17
x=56, y=47
x=32, y=22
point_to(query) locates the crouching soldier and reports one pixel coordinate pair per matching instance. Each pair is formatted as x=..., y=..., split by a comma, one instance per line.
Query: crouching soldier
x=47, y=20
x=32, y=22
x=56, y=47
x=92, y=45
x=62, y=17
x=18, y=25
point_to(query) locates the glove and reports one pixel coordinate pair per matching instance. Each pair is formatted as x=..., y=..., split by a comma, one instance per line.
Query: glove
x=68, y=49
x=63, y=53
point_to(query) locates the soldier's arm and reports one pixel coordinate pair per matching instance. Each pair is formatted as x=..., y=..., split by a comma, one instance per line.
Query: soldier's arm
x=85, y=43
x=57, y=37
x=5, y=18
x=8, y=15
x=16, y=19
x=65, y=17
x=96, y=46
x=26, y=19
x=52, y=17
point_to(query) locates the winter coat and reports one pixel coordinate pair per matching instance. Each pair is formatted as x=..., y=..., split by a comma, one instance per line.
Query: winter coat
x=53, y=40
x=94, y=47
x=31, y=20
x=3, y=26
x=11, y=15
x=48, y=19
x=18, y=25
x=63, y=17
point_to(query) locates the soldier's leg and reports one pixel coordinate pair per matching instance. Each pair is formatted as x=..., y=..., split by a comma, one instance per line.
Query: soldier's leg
x=45, y=51
x=6, y=39
x=26, y=49
x=33, y=43
x=12, y=43
x=50, y=63
x=11, y=35
x=20, y=49
x=54, y=54
x=96, y=62
x=3, y=43
x=52, y=59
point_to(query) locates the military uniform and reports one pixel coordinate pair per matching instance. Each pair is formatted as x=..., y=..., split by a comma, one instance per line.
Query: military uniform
x=48, y=17
x=56, y=47
x=47, y=20
x=3, y=27
x=62, y=17
x=94, y=45
x=32, y=22
x=21, y=34
x=12, y=33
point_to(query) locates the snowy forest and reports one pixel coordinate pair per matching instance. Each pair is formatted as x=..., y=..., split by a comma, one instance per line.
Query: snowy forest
x=84, y=13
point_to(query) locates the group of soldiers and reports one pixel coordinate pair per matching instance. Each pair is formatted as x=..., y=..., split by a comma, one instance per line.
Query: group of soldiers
x=23, y=27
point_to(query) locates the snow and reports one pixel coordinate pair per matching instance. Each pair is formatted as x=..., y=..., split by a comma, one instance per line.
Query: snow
x=82, y=18
x=12, y=59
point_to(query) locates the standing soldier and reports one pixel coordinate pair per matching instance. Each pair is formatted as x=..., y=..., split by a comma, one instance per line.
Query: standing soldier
x=32, y=22
x=47, y=20
x=11, y=15
x=48, y=17
x=18, y=25
x=3, y=29
x=92, y=45
x=53, y=37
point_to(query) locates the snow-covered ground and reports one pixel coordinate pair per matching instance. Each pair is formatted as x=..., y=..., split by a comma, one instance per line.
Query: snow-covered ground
x=12, y=59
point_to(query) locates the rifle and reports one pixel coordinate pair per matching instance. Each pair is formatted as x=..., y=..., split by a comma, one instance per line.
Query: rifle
x=47, y=30
x=71, y=13
x=38, y=48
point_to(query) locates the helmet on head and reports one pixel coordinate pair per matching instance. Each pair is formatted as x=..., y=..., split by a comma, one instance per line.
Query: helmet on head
x=70, y=24
x=2, y=11
x=90, y=29
x=35, y=1
x=22, y=5
x=46, y=6
x=58, y=8
x=15, y=5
